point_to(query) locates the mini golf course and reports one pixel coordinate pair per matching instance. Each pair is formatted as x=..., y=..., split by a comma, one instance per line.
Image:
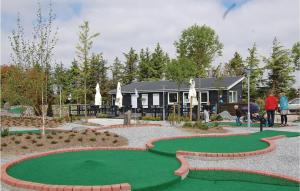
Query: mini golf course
x=150, y=171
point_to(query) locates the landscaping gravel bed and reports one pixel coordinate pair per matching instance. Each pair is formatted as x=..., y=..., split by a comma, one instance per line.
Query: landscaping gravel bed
x=284, y=160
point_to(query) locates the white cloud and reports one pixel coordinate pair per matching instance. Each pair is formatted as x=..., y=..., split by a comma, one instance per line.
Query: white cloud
x=140, y=23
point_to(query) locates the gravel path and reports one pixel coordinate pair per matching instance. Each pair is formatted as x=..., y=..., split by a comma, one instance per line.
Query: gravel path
x=284, y=160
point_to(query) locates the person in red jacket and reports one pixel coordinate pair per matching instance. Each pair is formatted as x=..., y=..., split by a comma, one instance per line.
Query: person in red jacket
x=271, y=105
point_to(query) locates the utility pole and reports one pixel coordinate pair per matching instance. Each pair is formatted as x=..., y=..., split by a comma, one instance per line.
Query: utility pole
x=199, y=100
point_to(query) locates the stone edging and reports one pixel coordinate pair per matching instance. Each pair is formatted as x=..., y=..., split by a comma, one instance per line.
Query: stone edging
x=289, y=178
x=268, y=140
x=37, y=186
x=184, y=168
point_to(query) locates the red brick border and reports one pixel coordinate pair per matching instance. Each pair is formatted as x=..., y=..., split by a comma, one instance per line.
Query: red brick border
x=37, y=186
x=184, y=168
x=289, y=178
x=268, y=140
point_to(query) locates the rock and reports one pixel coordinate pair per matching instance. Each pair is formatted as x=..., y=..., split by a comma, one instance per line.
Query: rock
x=29, y=112
x=127, y=117
x=6, y=106
x=226, y=115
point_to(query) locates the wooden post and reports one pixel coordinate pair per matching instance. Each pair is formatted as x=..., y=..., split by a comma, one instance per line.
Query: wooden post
x=191, y=108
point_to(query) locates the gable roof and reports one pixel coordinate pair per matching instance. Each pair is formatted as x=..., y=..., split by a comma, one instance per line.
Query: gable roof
x=167, y=85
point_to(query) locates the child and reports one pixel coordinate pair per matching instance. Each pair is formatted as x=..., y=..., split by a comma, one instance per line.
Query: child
x=283, y=102
x=238, y=115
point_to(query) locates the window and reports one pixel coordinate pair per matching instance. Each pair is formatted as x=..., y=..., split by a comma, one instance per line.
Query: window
x=145, y=100
x=134, y=101
x=186, y=98
x=172, y=97
x=233, y=96
x=155, y=99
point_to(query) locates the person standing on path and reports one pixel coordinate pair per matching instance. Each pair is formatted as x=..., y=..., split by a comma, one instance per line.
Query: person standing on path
x=238, y=114
x=271, y=105
x=283, y=104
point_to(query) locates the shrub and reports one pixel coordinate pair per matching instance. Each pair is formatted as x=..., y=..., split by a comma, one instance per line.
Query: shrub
x=67, y=140
x=216, y=117
x=17, y=142
x=101, y=115
x=49, y=137
x=115, y=141
x=72, y=135
x=4, y=132
x=80, y=139
x=103, y=139
x=39, y=137
x=39, y=144
x=53, y=133
x=116, y=135
x=33, y=141
x=28, y=137
x=107, y=134
x=53, y=142
x=215, y=124
x=188, y=125
x=93, y=139
x=19, y=134
x=200, y=125
x=98, y=133
x=150, y=118
x=3, y=144
x=13, y=138
x=60, y=137
x=24, y=147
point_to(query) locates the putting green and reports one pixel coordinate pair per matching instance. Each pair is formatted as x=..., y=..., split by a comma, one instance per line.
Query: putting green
x=233, y=181
x=227, y=144
x=142, y=170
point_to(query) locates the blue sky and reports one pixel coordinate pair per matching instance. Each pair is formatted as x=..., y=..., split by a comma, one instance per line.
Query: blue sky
x=140, y=23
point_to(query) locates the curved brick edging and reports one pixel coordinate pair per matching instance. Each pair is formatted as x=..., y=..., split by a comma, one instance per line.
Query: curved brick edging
x=275, y=175
x=268, y=140
x=38, y=186
x=184, y=168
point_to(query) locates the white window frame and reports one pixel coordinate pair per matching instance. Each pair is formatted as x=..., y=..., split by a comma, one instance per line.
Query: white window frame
x=134, y=103
x=234, y=99
x=153, y=95
x=185, y=102
x=171, y=103
x=145, y=100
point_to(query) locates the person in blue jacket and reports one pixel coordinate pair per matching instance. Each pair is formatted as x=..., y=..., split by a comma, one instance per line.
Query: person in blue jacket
x=283, y=104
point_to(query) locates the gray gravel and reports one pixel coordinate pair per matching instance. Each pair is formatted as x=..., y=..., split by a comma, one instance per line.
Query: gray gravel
x=284, y=160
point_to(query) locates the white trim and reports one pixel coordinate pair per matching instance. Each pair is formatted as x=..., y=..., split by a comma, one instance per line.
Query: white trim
x=145, y=103
x=171, y=103
x=235, y=83
x=158, y=99
x=183, y=100
x=233, y=101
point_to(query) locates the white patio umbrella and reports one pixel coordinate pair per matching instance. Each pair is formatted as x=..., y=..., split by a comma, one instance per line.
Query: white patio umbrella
x=119, y=97
x=192, y=93
x=98, y=97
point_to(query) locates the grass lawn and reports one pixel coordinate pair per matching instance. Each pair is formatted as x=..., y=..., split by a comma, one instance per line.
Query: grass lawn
x=227, y=144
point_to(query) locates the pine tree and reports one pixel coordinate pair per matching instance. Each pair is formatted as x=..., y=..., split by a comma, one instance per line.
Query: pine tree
x=74, y=82
x=296, y=55
x=159, y=60
x=235, y=66
x=130, y=66
x=252, y=62
x=280, y=69
x=144, y=67
x=117, y=71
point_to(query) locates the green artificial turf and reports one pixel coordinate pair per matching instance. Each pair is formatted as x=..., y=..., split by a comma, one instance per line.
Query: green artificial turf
x=227, y=144
x=233, y=181
x=142, y=170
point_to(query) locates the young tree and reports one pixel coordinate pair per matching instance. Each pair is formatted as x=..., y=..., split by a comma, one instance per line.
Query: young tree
x=252, y=62
x=117, y=71
x=235, y=66
x=144, y=67
x=180, y=71
x=74, y=82
x=296, y=55
x=200, y=44
x=130, y=66
x=280, y=69
x=83, y=52
x=60, y=79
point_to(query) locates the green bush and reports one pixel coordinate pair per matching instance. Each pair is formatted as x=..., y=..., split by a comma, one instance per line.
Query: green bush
x=216, y=117
x=188, y=125
x=150, y=118
x=101, y=115
x=200, y=125
x=4, y=132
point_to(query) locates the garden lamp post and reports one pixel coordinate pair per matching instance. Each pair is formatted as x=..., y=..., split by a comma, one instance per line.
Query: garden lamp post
x=248, y=72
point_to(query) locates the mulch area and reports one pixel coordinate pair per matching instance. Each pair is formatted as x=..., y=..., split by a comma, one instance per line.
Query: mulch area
x=8, y=121
x=30, y=142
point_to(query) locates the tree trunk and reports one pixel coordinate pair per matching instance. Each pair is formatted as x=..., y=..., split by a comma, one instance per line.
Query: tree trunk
x=85, y=111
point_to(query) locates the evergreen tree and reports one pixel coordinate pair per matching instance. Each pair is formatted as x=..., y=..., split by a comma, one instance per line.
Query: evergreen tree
x=98, y=74
x=235, y=66
x=117, y=71
x=74, y=82
x=159, y=60
x=296, y=55
x=144, y=67
x=130, y=66
x=280, y=69
x=252, y=62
